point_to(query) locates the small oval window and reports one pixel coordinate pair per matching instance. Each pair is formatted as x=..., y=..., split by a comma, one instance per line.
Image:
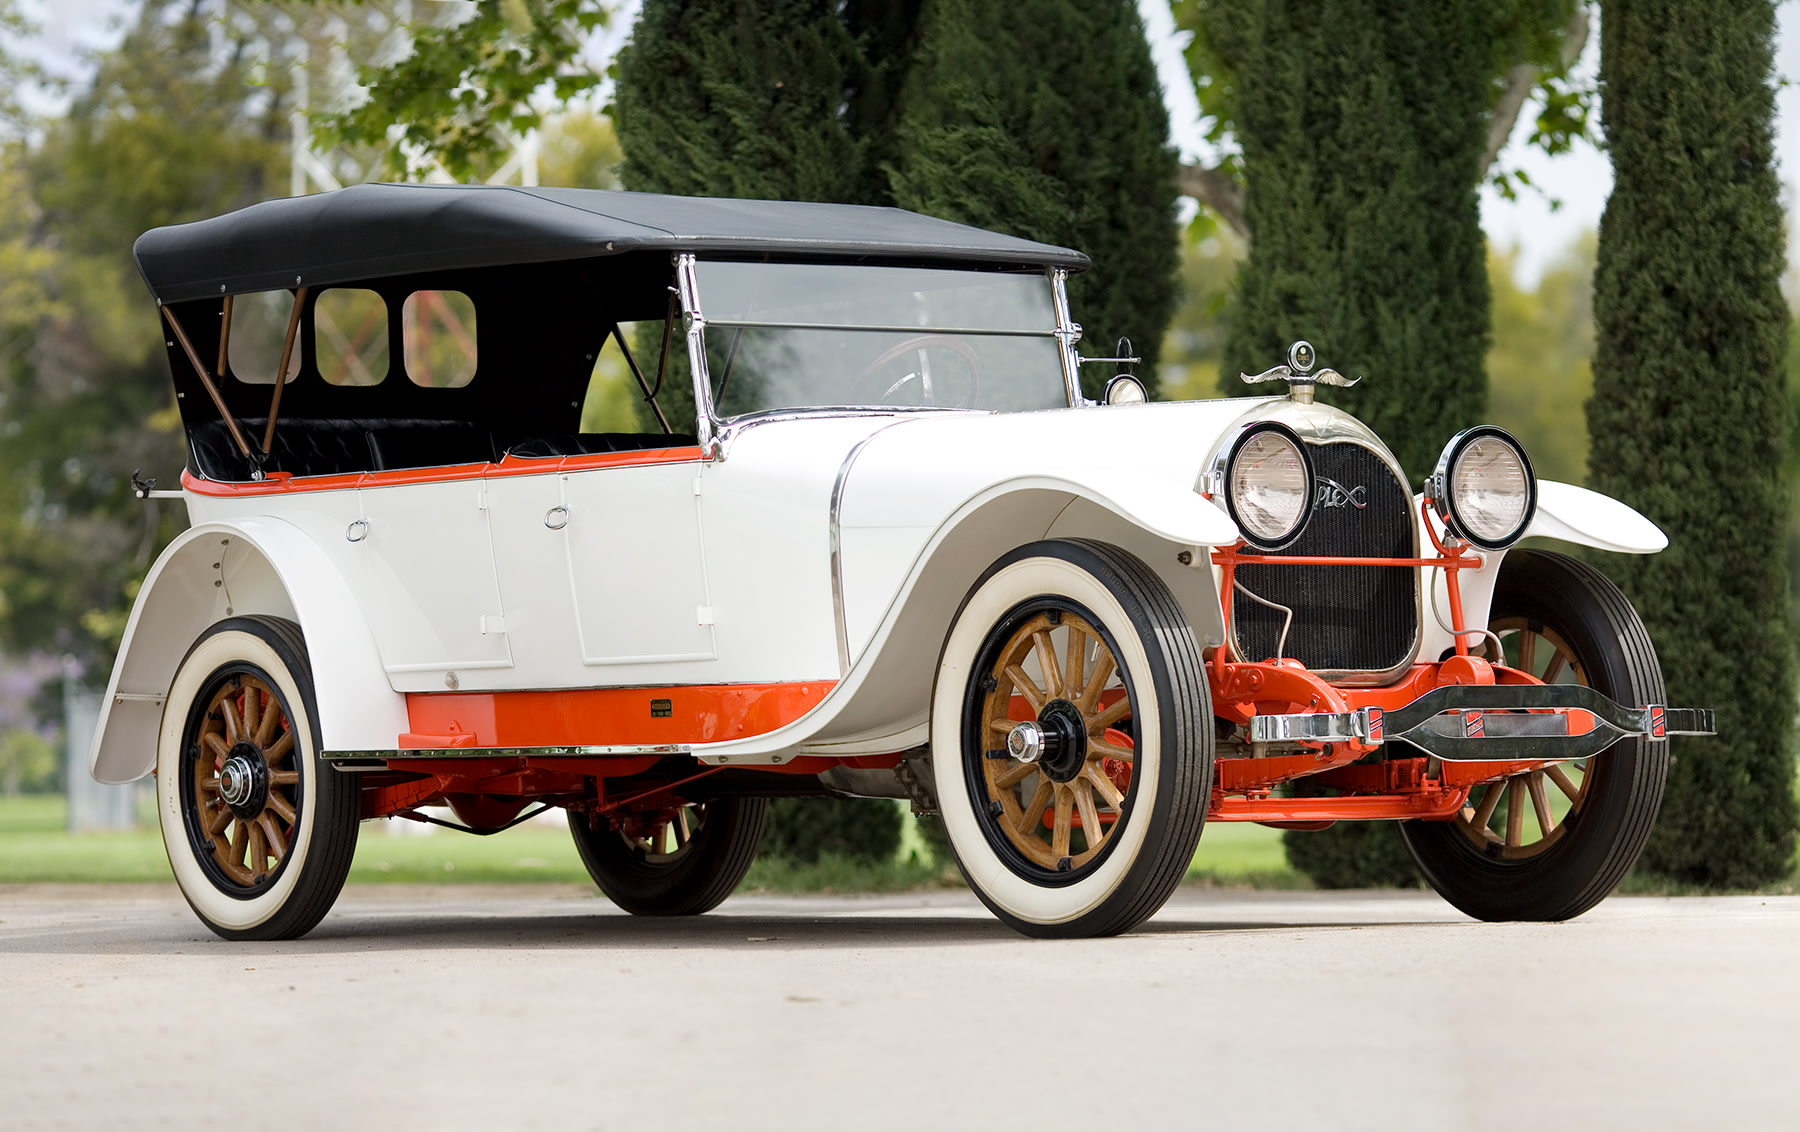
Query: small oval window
x=350, y=336
x=259, y=324
x=438, y=330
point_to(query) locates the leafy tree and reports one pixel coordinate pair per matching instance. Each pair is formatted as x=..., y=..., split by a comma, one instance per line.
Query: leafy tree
x=1539, y=375
x=14, y=71
x=1535, y=45
x=996, y=130
x=1361, y=126
x=740, y=99
x=1689, y=421
x=1195, y=340
x=170, y=129
x=28, y=762
x=466, y=89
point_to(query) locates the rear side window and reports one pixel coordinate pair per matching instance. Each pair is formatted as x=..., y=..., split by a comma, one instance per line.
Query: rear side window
x=350, y=336
x=437, y=329
x=259, y=324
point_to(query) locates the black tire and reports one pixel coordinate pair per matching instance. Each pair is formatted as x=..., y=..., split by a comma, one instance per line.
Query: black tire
x=696, y=877
x=260, y=833
x=1559, y=876
x=1012, y=823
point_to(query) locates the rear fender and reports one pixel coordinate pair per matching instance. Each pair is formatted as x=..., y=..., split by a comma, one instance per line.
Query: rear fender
x=235, y=568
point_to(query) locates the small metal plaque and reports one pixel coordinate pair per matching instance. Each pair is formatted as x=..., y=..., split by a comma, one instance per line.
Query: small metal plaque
x=662, y=709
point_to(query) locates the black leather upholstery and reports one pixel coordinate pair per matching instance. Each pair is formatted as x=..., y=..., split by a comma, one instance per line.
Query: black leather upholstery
x=577, y=444
x=337, y=446
x=427, y=444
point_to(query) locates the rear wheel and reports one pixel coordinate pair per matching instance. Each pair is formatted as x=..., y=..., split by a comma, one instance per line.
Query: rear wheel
x=1550, y=844
x=676, y=862
x=1071, y=740
x=260, y=833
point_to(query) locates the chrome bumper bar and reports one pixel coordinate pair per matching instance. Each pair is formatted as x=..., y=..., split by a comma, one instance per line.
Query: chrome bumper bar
x=1479, y=723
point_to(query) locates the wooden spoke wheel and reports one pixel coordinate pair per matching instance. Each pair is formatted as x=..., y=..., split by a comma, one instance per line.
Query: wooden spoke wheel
x=1057, y=674
x=246, y=782
x=1071, y=739
x=1549, y=844
x=679, y=860
x=260, y=834
x=1521, y=816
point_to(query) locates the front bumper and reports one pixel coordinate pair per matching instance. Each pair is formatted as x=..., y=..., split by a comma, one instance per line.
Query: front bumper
x=1483, y=723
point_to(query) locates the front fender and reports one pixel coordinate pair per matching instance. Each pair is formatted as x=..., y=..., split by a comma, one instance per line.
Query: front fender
x=233, y=568
x=1575, y=514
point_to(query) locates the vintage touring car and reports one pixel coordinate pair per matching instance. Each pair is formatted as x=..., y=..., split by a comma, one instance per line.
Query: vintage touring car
x=878, y=544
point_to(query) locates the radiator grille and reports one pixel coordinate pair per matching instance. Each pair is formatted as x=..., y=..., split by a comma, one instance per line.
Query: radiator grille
x=1346, y=618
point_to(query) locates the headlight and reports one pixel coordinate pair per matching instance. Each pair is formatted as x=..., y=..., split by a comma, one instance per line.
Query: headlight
x=1269, y=486
x=1484, y=488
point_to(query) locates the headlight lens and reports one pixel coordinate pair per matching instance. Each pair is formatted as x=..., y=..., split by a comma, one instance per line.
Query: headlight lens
x=1269, y=486
x=1484, y=488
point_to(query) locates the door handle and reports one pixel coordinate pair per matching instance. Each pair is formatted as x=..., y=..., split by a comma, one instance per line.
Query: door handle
x=556, y=518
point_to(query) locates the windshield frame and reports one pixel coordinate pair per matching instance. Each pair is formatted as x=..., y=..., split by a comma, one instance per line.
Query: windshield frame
x=715, y=430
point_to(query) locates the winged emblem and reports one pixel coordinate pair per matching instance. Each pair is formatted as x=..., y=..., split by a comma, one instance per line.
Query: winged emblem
x=1298, y=373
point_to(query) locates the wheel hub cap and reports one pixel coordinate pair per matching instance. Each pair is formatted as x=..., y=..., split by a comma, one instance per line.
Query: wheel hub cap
x=244, y=781
x=1064, y=744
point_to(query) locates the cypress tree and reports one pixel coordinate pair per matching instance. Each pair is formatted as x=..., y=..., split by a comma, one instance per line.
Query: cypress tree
x=1044, y=119
x=1362, y=126
x=767, y=99
x=739, y=98
x=1688, y=420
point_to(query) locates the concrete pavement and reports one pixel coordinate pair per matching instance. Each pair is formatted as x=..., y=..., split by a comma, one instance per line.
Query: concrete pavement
x=541, y=1006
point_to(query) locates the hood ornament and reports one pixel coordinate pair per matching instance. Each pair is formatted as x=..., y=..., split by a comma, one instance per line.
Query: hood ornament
x=1299, y=375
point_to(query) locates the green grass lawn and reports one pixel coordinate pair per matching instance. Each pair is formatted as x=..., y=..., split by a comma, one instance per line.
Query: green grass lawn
x=34, y=848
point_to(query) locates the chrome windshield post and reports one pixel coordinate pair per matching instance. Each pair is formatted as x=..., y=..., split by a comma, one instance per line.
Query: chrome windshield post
x=707, y=425
x=1068, y=332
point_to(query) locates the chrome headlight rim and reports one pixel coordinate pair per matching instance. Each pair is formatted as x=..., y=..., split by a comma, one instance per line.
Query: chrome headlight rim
x=1228, y=465
x=1443, y=498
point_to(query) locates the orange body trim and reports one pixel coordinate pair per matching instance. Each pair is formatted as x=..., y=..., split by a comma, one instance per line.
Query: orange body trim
x=284, y=483
x=599, y=717
x=1433, y=805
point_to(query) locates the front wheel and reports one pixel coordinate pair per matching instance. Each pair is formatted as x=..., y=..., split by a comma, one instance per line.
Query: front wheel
x=681, y=861
x=1071, y=740
x=259, y=832
x=1550, y=844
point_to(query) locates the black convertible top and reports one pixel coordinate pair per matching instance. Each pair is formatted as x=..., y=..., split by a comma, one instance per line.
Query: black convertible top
x=376, y=230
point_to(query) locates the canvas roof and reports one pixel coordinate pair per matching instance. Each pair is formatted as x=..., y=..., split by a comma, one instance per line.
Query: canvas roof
x=375, y=230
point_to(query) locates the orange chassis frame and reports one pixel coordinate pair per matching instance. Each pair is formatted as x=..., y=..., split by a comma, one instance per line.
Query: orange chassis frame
x=488, y=793
x=1243, y=788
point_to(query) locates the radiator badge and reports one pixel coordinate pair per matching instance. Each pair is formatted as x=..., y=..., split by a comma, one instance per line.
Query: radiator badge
x=1331, y=493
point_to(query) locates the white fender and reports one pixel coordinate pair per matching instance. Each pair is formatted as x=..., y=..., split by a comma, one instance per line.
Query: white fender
x=233, y=568
x=1575, y=514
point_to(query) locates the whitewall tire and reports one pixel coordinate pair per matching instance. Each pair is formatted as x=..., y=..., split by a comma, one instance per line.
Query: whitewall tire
x=259, y=832
x=1085, y=825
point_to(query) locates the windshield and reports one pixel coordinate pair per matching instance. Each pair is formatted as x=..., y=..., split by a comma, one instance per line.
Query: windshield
x=797, y=336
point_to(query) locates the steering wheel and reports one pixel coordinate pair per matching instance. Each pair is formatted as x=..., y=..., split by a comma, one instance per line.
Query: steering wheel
x=921, y=342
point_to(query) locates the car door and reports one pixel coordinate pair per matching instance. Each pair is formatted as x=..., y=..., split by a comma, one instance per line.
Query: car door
x=631, y=540
x=424, y=566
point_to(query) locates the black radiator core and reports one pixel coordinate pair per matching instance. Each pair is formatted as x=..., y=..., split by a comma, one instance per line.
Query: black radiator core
x=1346, y=618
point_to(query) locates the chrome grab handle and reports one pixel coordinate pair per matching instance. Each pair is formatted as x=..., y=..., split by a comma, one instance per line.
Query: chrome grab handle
x=556, y=518
x=357, y=531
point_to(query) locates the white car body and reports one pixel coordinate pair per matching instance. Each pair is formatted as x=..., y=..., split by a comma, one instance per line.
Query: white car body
x=696, y=572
